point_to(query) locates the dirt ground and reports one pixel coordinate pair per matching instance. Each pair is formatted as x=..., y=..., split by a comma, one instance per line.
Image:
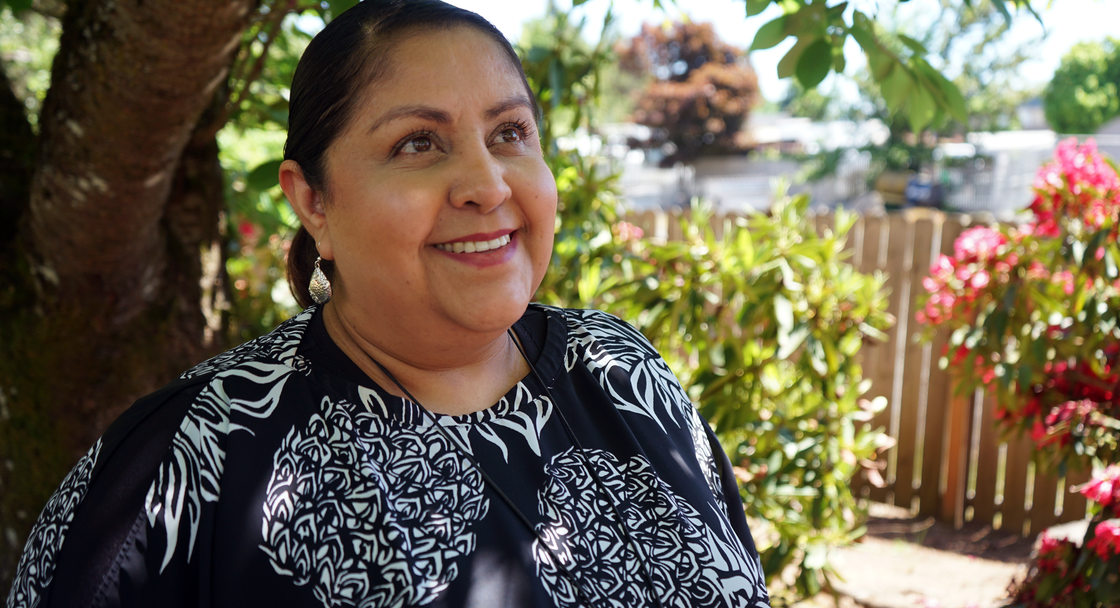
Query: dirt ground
x=911, y=562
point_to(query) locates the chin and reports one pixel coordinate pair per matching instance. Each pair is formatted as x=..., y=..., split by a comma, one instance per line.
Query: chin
x=496, y=315
x=498, y=320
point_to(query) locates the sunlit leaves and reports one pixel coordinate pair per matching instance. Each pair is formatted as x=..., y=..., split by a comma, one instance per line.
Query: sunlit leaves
x=897, y=61
x=1085, y=90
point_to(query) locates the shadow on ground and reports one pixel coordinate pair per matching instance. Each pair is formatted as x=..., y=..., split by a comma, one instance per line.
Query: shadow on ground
x=917, y=562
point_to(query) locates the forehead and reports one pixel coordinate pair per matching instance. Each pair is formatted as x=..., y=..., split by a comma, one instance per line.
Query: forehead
x=456, y=65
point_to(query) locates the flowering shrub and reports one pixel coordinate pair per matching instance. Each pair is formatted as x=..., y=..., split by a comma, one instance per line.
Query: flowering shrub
x=1067, y=574
x=1077, y=190
x=1032, y=311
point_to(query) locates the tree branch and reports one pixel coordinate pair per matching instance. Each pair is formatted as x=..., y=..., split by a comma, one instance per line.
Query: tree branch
x=248, y=76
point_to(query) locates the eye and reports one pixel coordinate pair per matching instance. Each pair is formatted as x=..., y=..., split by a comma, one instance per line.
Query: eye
x=415, y=143
x=512, y=132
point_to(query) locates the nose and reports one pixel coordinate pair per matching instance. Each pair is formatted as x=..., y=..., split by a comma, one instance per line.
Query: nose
x=480, y=181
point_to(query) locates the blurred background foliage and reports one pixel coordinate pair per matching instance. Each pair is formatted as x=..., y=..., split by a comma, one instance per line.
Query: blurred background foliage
x=1085, y=90
x=697, y=90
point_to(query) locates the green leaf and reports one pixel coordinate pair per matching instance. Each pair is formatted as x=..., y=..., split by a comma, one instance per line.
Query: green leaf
x=264, y=176
x=770, y=34
x=1001, y=5
x=839, y=63
x=948, y=95
x=896, y=87
x=340, y=6
x=913, y=44
x=922, y=109
x=1094, y=244
x=836, y=12
x=755, y=7
x=18, y=6
x=815, y=63
x=863, y=30
x=882, y=65
x=956, y=104
x=788, y=65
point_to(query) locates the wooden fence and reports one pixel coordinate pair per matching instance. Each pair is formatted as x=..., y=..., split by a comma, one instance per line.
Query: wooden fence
x=949, y=460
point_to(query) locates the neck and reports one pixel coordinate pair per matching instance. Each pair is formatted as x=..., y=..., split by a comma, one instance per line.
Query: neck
x=460, y=378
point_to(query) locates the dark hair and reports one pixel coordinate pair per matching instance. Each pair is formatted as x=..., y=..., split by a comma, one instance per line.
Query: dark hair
x=349, y=53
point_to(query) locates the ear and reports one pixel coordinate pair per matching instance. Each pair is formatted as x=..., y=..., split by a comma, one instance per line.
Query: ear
x=307, y=202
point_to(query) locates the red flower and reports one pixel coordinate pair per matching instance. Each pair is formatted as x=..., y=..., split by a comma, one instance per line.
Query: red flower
x=1104, y=489
x=247, y=229
x=978, y=244
x=1106, y=539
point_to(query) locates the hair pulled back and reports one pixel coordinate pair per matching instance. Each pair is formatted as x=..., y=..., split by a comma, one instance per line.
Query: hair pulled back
x=347, y=55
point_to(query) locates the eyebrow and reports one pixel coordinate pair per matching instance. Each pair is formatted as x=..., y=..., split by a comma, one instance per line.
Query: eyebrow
x=442, y=117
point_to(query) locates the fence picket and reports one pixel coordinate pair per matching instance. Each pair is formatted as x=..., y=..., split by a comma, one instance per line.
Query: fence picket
x=1044, y=498
x=938, y=393
x=899, y=236
x=876, y=357
x=985, y=463
x=911, y=397
x=956, y=462
x=1013, y=509
x=1074, y=505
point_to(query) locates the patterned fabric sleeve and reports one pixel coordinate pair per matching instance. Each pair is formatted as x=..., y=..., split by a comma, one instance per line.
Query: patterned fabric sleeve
x=75, y=545
x=37, y=564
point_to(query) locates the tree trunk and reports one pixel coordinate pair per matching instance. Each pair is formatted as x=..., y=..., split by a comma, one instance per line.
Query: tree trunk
x=103, y=279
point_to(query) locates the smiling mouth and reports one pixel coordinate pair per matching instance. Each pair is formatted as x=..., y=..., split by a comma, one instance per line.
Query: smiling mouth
x=475, y=246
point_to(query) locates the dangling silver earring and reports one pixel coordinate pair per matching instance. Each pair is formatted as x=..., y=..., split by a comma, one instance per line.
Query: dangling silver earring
x=320, y=286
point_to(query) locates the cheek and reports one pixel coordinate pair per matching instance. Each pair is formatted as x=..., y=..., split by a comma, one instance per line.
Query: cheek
x=544, y=216
x=544, y=196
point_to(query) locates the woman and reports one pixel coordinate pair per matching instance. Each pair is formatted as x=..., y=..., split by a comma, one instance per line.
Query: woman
x=422, y=435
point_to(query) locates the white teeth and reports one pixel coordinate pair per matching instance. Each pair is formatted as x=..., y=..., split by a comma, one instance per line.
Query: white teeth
x=475, y=246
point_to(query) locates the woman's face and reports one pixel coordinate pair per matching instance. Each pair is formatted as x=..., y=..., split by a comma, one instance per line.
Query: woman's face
x=440, y=210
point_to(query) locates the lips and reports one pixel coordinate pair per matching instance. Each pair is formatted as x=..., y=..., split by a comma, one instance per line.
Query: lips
x=475, y=246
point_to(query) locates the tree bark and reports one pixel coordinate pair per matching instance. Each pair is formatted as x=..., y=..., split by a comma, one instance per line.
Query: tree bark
x=17, y=151
x=104, y=279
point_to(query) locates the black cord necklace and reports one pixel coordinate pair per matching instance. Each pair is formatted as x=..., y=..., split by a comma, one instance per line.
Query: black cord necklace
x=489, y=481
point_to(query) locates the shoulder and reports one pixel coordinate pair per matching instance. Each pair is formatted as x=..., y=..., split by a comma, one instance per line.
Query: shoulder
x=98, y=500
x=159, y=460
x=281, y=345
x=590, y=326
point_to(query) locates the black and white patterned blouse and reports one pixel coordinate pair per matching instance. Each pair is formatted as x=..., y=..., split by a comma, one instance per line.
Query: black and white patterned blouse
x=277, y=474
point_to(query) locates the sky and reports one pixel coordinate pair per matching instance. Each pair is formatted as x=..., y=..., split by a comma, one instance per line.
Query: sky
x=1068, y=22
